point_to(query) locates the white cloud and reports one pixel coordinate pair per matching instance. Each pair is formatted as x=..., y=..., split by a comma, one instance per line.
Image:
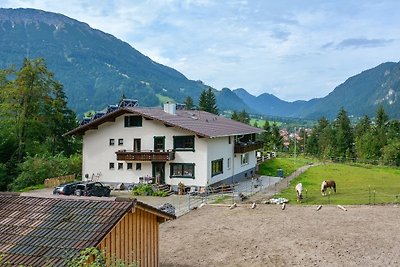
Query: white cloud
x=282, y=47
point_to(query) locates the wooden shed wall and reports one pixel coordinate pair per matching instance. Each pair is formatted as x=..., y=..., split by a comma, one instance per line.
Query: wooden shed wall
x=134, y=239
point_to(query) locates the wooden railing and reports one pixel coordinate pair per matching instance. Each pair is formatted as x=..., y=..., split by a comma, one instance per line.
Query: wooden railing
x=151, y=155
x=246, y=147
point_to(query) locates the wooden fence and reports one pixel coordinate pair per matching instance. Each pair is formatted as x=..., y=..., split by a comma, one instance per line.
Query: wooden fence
x=52, y=182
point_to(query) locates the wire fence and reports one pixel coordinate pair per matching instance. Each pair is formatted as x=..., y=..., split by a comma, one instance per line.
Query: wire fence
x=226, y=194
x=367, y=196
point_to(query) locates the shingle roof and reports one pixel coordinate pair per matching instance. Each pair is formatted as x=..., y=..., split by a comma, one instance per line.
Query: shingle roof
x=199, y=122
x=42, y=231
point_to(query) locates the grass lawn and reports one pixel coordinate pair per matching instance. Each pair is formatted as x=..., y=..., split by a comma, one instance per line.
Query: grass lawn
x=355, y=185
x=288, y=165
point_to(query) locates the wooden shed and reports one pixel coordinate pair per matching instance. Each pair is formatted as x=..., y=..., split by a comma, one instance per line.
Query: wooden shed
x=50, y=231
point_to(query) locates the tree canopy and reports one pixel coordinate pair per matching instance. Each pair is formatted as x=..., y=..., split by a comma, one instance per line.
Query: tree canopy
x=34, y=114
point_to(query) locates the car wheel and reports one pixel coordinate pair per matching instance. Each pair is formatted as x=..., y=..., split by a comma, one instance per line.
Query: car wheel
x=78, y=193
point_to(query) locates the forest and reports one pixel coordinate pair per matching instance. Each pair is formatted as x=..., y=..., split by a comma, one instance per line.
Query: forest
x=34, y=116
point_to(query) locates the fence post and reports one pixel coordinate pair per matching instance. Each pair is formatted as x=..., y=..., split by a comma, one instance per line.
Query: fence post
x=369, y=195
x=188, y=202
x=374, y=196
x=329, y=197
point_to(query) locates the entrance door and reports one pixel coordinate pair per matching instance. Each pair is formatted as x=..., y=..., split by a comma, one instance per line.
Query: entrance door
x=159, y=172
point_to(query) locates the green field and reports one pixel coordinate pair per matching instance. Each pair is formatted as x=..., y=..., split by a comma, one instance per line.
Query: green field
x=288, y=165
x=262, y=122
x=354, y=184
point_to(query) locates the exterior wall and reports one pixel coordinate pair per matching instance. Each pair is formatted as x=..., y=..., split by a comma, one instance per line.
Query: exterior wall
x=243, y=171
x=98, y=154
x=220, y=148
x=134, y=239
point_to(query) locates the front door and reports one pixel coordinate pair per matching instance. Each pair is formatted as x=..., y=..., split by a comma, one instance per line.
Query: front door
x=159, y=172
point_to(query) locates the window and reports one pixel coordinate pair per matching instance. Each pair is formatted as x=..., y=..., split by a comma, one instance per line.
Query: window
x=182, y=170
x=184, y=143
x=228, y=164
x=112, y=142
x=216, y=167
x=129, y=166
x=244, y=158
x=137, y=144
x=229, y=140
x=159, y=143
x=120, y=142
x=120, y=166
x=133, y=121
x=138, y=166
x=111, y=165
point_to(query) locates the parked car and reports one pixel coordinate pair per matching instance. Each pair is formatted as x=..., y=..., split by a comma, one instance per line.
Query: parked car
x=65, y=189
x=92, y=189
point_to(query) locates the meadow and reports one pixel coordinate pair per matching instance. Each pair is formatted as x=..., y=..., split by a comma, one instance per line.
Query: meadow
x=355, y=184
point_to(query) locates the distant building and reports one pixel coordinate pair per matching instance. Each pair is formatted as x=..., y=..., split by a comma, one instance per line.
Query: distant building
x=197, y=148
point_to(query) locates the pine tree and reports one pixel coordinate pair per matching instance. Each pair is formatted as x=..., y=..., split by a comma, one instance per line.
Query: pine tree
x=344, y=135
x=188, y=102
x=208, y=102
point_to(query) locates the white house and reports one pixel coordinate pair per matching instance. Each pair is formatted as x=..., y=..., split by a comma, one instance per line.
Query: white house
x=135, y=144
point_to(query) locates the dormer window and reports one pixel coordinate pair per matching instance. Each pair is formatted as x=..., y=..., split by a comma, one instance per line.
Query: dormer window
x=133, y=121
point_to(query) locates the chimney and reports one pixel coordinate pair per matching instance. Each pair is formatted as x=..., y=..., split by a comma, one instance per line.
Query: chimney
x=170, y=108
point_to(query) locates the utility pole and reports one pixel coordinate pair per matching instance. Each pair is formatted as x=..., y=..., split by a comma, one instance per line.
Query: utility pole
x=294, y=161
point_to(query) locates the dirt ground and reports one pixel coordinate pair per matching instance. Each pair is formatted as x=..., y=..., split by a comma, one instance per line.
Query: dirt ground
x=270, y=236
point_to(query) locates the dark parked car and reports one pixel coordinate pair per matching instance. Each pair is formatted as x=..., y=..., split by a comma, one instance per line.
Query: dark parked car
x=92, y=189
x=65, y=189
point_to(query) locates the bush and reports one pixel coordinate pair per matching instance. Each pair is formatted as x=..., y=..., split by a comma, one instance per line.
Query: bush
x=34, y=170
x=147, y=190
x=143, y=190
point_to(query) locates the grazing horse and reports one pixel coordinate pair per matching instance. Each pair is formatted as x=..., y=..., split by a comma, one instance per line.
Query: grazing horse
x=327, y=184
x=299, y=190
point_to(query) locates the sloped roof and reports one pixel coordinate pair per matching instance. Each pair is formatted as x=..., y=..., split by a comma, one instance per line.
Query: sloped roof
x=199, y=122
x=47, y=231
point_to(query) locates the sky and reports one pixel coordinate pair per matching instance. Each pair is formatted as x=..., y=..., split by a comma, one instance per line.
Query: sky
x=294, y=49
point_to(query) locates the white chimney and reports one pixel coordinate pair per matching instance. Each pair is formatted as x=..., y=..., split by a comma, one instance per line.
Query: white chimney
x=170, y=108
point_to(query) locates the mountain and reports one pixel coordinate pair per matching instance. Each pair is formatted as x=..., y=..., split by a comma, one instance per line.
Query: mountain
x=359, y=95
x=362, y=94
x=95, y=68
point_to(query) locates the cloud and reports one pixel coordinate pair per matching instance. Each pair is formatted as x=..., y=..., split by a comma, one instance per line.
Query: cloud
x=363, y=43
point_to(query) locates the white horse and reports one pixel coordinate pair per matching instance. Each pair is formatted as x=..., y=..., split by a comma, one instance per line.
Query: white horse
x=299, y=190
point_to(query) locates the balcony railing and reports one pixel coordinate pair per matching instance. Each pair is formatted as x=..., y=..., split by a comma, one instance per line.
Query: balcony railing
x=246, y=147
x=149, y=155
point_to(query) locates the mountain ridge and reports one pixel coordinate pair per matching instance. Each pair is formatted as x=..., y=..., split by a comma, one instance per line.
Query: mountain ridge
x=97, y=69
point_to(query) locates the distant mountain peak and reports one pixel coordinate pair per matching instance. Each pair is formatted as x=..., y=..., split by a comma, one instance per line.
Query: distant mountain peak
x=29, y=15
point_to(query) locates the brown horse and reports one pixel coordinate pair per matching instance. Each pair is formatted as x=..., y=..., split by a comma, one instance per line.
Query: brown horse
x=327, y=184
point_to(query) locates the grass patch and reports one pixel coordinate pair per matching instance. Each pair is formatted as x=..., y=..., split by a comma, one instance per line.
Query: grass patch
x=262, y=122
x=165, y=99
x=222, y=199
x=30, y=188
x=288, y=165
x=356, y=184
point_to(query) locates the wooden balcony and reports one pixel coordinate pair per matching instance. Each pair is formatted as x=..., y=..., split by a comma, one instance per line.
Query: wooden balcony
x=246, y=147
x=149, y=155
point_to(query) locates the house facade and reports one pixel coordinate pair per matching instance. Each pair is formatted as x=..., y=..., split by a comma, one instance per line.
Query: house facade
x=167, y=146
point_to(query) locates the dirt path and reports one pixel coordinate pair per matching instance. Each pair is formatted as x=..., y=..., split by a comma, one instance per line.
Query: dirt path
x=270, y=236
x=282, y=184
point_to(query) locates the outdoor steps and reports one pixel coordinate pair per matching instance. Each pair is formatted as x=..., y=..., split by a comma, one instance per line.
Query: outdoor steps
x=165, y=188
